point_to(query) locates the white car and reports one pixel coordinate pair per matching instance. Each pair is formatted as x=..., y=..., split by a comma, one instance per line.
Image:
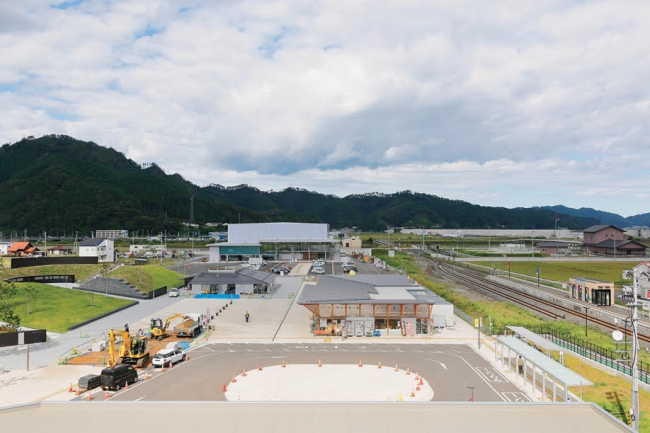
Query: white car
x=166, y=357
x=317, y=270
x=173, y=292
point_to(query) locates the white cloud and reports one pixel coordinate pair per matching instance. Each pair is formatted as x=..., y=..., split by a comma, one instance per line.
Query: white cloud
x=499, y=103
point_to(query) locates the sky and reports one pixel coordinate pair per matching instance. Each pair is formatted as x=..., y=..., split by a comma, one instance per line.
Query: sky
x=501, y=103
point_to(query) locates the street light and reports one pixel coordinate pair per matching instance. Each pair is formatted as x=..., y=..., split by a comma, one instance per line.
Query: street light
x=471, y=389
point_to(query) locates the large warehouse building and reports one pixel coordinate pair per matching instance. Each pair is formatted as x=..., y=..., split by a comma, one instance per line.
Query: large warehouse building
x=275, y=241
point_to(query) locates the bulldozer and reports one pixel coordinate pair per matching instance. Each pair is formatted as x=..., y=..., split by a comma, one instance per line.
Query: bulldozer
x=159, y=330
x=132, y=350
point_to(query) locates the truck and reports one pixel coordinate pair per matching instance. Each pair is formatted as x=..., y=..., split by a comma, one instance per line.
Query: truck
x=198, y=318
x=187, y=328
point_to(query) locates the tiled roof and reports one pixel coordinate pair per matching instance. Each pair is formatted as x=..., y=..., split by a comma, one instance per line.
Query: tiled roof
x=599, y=227
x=93, y=242
x=240, y=276
x=612, y=243
x=18, y=246
x=368, y=289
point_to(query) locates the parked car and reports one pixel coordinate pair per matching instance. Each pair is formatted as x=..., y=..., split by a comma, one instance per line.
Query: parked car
x=118, y=377
x=317, y=270
x=349, y=268
x=166, y=357
x=173, y=292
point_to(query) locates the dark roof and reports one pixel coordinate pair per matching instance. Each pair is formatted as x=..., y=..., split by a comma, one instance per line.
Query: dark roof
x=334, y=289
x=622, y=244
x=239, y=276
x=599, y=227
x=92, y=242
x=557, y=244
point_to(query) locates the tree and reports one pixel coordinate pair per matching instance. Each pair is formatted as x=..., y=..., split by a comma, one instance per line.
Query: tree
x=7, y=291
x=10, y=318
x=31, y=294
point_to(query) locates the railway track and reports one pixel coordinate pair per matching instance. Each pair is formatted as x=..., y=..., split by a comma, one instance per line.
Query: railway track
x=535, y=304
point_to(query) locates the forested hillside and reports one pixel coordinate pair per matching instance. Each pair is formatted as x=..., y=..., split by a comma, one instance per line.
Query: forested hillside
x=58, y=183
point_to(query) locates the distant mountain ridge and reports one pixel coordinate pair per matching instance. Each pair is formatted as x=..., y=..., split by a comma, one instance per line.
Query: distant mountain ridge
x=59, y=183
x=603, y=217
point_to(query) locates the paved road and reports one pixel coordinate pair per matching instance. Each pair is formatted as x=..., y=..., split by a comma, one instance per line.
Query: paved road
x=449, y=369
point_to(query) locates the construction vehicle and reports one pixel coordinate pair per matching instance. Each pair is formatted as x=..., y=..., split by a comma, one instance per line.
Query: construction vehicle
x=188, y=328
x=159, y=330
x=132, y=350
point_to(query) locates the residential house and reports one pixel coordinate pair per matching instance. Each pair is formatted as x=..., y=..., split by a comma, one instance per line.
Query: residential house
x=103, y=249
x=610, y=240
x=22, y=249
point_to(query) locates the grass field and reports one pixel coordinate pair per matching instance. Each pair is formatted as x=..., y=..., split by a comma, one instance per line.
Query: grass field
x=55, y=308
x=562, y=271
x=81, y=272
x=148, y=277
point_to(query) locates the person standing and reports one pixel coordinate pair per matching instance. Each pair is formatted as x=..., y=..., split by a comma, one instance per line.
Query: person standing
x=520, y=363
x=247, y=316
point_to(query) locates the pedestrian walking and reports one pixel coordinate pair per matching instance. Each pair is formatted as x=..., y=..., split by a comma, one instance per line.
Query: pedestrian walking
x=520, y=363
x=247, y=316
x=126, y=328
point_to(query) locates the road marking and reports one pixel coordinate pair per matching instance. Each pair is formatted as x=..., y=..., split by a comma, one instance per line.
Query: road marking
x=433, y=360
x=138, y=399
x=516, y=396
x=491, y=375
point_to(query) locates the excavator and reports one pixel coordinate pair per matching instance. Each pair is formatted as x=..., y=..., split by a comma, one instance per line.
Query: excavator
x=158, y=330
x=132, y=350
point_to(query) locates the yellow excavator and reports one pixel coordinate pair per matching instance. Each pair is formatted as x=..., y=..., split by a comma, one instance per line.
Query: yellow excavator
x=158, y=330
x=132, y=350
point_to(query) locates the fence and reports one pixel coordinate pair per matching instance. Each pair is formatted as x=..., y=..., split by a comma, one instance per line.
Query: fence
x=23, y=337
x=45, y=279
x=44, y=261
x=157, y=292
x=607, y=357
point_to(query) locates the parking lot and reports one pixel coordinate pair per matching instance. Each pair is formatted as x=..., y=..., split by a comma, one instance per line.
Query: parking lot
x=446, y=372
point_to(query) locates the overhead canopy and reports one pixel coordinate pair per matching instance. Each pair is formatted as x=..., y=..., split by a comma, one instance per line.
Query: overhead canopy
x=544, y=363
x=537, y=339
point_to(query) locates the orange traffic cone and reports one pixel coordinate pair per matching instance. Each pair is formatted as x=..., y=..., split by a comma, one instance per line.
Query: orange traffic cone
x=107, y=395
x=408, y=372
x=126, y=387
x=412, y=393
x=70, y=389
x=78, y=392
x=319, y=363
x=417, y=376
x=421, y=383
x=163, y=368
x=360, y=363
x=224, y=388
x=379, y=365
x=417, y=388
x=89, y=397
x=396, y=369
x=243, y=373
x=259, y=368
x=187, y=358
x=171, y=364
x=233, y=379
x=146, y=376
x=283, y=364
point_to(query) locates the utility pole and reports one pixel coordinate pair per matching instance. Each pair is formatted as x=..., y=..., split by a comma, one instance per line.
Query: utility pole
x=635, y=354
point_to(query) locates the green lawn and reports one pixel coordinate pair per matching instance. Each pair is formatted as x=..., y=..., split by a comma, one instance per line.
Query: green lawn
x=56, y=308
x=147, y=277
x=81, y=272
x=562, y=271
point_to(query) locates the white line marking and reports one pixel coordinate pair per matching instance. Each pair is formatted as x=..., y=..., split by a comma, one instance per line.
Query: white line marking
x=138, y=399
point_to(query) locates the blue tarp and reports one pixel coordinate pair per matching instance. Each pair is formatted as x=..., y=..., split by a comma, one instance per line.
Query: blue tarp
x=207, y=296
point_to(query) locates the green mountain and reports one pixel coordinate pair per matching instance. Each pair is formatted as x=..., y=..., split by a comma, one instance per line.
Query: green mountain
x=58, y=183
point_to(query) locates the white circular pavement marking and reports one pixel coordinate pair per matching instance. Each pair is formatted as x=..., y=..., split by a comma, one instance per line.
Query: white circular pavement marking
x=334, y=382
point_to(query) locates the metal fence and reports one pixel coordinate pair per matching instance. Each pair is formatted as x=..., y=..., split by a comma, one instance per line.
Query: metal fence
x=619, y=360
